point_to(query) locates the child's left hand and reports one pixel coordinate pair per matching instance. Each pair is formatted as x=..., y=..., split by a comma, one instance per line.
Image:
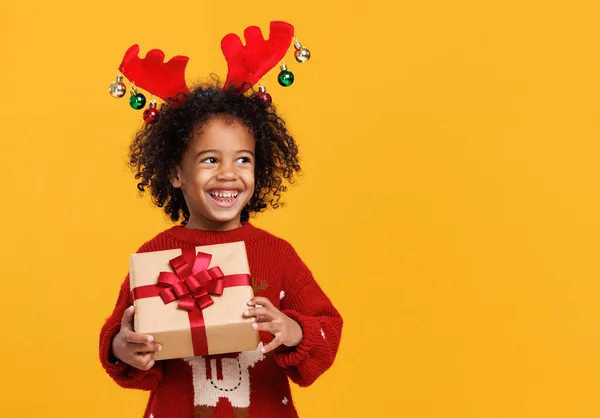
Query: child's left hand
x=268, y=318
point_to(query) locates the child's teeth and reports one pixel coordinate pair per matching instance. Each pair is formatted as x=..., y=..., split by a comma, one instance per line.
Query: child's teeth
x=224, y=195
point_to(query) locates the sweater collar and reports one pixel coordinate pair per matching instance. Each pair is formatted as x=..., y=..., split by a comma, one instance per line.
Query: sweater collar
x=245, y=233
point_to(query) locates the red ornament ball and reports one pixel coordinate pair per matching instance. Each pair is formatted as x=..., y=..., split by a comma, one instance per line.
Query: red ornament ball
x=266, y=97
x=150, y=115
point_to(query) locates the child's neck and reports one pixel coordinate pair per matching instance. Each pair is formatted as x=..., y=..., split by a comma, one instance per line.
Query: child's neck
x=208, y=225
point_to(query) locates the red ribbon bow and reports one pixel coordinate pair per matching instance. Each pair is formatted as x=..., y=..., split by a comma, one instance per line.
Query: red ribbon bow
x=192, y=283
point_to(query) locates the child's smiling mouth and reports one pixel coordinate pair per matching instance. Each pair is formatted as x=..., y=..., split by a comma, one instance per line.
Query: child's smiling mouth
x=224, y=198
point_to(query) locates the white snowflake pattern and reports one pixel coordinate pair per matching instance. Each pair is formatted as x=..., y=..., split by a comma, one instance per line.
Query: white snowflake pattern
x=151, y=416
x=322, y=333
x=281, y=295
x=284, y=400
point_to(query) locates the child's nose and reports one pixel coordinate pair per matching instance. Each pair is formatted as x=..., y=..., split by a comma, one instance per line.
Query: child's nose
x=227, y=172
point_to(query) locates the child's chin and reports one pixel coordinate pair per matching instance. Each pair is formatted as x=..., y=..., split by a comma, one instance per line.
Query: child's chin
x=225, y=216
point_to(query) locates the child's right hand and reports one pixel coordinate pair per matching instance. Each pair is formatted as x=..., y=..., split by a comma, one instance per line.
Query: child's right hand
x=132, y=348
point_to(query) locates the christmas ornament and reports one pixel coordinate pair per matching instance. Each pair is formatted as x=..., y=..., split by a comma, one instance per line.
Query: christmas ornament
x=262, y=93
x=137, y=99
x=247, y=63
x=151, y=114
x=285, y=77
x=302, y=54
x=117, y=89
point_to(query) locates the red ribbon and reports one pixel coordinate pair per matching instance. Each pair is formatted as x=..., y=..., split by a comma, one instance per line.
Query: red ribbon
x=192, y=283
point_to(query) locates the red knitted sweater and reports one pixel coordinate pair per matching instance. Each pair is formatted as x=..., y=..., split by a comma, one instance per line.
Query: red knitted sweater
x=249, y=384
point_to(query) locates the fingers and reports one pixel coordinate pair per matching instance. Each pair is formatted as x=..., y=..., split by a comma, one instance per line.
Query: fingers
x=260, y=318
x=127, y=319
x=127, y=329
x=268, y=319
x=272, y=345
x=259, y=300
x=138, y=355
x=144, y=361
x=146, y=347
x=261, y=314
x=271, y=326
x=133, y=348
x=134, y=337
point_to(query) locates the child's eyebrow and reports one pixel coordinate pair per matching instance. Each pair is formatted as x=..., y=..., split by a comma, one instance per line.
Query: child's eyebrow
x=206, y=151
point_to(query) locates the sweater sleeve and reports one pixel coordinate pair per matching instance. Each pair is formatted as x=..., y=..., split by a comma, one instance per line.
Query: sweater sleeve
x=321, y=324
x=122, y=373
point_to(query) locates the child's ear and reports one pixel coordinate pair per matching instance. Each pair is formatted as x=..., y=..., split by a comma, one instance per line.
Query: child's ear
x=176, y=175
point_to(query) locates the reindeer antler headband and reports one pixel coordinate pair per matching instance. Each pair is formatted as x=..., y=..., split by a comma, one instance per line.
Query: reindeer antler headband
x=247, y=64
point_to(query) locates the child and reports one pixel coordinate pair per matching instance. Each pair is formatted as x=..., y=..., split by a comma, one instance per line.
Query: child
x=212, y=162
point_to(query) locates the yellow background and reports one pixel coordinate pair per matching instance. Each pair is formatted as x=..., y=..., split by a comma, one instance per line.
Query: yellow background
x=449, y=205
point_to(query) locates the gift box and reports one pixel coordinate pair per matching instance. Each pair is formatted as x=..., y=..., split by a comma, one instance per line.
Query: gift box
x=191, y=300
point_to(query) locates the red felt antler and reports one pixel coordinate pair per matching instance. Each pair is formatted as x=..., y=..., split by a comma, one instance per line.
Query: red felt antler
x=165, y=80
x=248, y=64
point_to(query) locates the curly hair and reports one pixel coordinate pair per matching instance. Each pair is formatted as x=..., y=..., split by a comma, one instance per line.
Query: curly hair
x=158, y=147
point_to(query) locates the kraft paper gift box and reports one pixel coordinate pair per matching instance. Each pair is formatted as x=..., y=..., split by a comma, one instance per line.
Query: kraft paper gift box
x=191, y=300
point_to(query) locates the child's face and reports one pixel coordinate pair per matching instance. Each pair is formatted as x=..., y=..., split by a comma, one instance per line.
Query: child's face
x=216, y=174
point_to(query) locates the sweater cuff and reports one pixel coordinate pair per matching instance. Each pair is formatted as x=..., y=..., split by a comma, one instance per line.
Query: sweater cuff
x=294, y=356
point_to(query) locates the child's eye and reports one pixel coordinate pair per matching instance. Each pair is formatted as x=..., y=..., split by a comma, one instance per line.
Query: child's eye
x=242, y=160
x=209, y=160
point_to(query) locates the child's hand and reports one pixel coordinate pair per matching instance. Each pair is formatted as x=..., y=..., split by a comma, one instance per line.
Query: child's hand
x=268, y=318
x=132, y=348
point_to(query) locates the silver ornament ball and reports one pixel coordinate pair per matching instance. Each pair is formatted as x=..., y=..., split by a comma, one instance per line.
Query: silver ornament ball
x=302, y=54
x=117, y=89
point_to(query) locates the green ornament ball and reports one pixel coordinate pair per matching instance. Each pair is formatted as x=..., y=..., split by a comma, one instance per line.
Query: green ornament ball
x=137, y=101
x=285, y=78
